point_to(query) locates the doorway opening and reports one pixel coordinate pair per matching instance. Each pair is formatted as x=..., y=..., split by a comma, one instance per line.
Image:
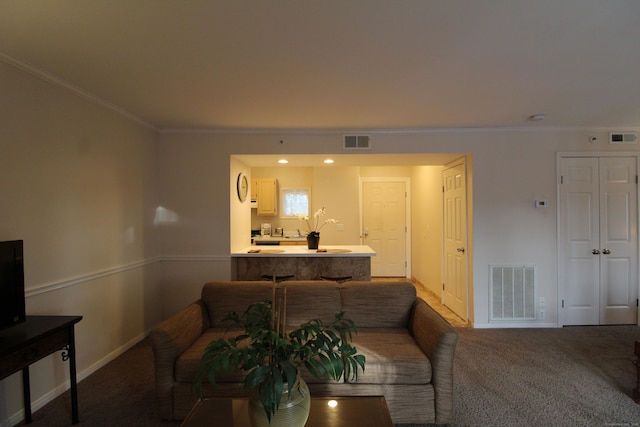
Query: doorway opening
x=338, y=187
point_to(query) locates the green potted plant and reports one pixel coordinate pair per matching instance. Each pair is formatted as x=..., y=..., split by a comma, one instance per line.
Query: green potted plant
x=272, y=356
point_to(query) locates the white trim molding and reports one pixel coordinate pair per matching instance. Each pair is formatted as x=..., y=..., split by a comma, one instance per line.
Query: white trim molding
x=49, y=287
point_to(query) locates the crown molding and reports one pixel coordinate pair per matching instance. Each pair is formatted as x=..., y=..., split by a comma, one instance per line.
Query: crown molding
x=394, y=131
x=82, y=93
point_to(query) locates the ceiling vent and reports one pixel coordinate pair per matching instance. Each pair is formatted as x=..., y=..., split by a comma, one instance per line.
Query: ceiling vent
x=357, y=142
x=623, y=138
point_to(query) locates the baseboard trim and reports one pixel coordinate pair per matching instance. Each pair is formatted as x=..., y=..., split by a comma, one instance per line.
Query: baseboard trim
x=514, y=325
x=57, y=391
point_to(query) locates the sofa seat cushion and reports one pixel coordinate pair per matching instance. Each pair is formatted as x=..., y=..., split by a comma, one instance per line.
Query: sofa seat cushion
x=188, y=363
x=393, y=357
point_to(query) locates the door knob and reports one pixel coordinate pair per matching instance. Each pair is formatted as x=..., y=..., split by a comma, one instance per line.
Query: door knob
x=606, y=251
x=460, y=250
x=595, y=252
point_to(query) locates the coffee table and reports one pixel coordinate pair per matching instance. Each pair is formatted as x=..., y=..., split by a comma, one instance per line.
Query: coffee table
x=356, y=411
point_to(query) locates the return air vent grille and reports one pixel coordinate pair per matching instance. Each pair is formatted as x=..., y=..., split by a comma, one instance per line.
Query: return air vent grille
x=623, y=138
x=512, y=293
x=357, y=142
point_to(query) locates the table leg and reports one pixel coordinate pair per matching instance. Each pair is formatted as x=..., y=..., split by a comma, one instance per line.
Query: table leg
x=69, y=354
x=26, y=394
x=72, y=376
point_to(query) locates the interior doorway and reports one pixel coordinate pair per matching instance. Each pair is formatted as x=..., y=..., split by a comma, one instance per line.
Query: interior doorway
x=384, y=225
x=422, y=173
x=455, y=239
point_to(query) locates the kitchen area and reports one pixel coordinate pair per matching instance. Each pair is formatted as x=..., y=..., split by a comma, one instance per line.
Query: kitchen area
x=267, y=235
x=270, y=226
x=340, y=188
x=278, y=245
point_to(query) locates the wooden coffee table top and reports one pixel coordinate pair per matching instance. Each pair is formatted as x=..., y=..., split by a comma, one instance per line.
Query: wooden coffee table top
x=357, y=411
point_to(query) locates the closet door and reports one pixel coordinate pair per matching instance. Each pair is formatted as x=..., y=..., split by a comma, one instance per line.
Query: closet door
x=598, y=258
x=618, y=241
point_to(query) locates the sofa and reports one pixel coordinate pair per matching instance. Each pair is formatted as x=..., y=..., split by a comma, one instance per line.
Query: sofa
x=409, y=348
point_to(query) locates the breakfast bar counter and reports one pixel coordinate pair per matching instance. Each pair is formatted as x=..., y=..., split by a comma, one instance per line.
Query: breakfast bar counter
x=334, y=261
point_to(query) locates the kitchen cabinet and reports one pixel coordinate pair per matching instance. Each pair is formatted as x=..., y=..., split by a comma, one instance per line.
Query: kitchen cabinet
x=254, y=189
x=267, y=196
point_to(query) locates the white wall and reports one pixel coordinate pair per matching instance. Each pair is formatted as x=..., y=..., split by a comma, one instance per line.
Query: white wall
x=426, y=226
x=240, y=221
x=197, y=184
x=337, y=189
x=511, y=168
x=78, y=183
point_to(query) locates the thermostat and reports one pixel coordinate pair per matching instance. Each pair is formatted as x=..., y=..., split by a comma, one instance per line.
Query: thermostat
x=542, y=204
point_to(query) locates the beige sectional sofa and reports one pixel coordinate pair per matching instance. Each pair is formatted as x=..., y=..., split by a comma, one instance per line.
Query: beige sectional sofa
x=409, y=348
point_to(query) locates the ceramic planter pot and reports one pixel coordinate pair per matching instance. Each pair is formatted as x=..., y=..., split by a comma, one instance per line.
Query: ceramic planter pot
x=313, y=240
x=292, y=412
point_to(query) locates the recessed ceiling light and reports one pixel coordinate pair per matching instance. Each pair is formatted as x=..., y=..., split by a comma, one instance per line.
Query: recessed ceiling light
x=328, y=161
x=536, y=117
x=283, y=161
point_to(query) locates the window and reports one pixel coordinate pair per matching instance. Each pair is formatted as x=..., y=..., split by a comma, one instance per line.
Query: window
x=295, y=202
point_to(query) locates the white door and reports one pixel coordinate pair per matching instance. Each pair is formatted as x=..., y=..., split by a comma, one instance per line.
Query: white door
x=384, y=226
x=455, y=239
x=598, y=277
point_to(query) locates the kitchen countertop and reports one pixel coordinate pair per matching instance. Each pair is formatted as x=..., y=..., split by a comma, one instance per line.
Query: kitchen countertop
x=303, y=251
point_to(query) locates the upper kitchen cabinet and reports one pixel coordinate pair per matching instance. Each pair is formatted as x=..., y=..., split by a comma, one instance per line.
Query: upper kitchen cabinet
x=266, y=194
x=254, y=189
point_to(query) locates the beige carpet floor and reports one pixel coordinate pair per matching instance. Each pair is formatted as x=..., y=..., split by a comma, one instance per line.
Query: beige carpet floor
x=574, y=376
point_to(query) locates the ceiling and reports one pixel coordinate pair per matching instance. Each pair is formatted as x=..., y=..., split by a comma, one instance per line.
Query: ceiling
x=338, y=64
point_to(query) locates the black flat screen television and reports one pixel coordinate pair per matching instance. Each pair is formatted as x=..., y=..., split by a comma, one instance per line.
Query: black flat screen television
x=12, y=307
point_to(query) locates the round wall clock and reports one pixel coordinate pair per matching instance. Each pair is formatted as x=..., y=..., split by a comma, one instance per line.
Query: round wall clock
x=243, y=187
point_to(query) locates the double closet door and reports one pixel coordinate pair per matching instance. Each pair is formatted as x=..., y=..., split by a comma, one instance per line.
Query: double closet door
x=598, y=240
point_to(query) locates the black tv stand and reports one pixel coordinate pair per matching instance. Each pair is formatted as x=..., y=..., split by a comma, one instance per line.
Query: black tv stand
x=32, y=340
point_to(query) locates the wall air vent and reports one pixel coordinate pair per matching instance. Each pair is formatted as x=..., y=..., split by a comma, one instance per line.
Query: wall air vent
x=512, y=292
x=357, y=142
x=623, y=138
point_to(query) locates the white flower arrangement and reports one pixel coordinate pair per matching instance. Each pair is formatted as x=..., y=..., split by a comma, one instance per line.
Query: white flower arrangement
x=317, y=225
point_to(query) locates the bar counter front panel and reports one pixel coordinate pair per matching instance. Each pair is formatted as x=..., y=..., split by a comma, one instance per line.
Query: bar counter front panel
x=254, y=262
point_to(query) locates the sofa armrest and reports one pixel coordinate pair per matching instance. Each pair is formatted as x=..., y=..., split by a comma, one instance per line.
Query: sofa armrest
x=438, y=340
x=169, y=340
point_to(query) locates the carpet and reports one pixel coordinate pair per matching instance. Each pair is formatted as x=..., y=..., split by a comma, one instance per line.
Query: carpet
x=573, y=376
x=577, y=376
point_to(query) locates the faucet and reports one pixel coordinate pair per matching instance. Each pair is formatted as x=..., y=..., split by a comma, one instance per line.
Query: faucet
x=299, y=233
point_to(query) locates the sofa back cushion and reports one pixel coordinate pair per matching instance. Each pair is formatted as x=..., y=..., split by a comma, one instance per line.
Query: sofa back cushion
x=221, y=298
x=368, y=304
x=378, y=304
x=309, y=300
